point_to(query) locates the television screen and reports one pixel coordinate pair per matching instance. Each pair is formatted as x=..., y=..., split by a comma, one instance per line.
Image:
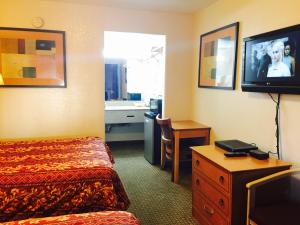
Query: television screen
x=271, y=62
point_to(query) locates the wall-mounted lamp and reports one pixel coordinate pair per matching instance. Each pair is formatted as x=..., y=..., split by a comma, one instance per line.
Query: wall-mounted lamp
x=1, y=80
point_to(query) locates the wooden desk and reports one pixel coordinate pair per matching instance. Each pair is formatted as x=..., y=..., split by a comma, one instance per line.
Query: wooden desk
x=219, y=194
x=187, y=129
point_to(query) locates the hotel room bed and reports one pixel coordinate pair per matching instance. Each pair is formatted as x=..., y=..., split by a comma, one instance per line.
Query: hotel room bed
x=94, y=218
x=56, y=177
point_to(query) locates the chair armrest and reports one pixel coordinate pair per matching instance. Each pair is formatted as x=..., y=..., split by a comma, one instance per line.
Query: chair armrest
x=271, y=177
x=251, y=186
x=166, y=140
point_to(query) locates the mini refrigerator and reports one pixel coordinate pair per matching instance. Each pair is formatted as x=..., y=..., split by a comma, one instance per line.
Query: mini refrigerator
x=152, y=136
x=152, y=132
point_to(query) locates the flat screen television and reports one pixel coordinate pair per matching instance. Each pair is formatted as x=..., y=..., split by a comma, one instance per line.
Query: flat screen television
x=271, y=62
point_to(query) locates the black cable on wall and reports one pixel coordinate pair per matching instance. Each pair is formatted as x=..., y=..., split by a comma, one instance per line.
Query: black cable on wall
x=277, y=122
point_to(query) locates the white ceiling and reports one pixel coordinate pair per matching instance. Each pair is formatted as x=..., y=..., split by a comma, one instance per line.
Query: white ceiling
x=185, y=6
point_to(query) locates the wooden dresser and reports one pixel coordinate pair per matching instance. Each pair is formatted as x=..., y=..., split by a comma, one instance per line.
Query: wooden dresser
x=219, y=184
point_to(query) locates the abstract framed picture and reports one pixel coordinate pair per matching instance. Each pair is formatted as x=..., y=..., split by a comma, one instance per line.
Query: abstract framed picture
x=32, y=58
x=217, y=58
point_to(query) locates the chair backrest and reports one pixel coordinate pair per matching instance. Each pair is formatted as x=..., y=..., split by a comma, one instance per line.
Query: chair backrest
x=167, y=141
x=166, y=129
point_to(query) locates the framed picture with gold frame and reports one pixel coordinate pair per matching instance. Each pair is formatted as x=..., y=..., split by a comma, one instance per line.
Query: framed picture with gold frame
x=32, y=58
x=217, y=58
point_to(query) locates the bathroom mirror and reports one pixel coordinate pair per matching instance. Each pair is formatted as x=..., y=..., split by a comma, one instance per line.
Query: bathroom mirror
x=134, y=66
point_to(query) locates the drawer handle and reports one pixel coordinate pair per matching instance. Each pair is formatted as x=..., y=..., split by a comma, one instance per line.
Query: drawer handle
x=197, y=162
x=208, y=210
x=130, y=116
x=197, y=181
x=221, y=202
x=221, y=179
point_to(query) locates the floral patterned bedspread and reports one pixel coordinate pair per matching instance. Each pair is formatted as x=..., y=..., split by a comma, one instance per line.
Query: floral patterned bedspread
x=94, y=218
x=56, y=177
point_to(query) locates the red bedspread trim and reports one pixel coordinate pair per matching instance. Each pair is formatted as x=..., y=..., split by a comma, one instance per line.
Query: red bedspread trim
x=95, y=218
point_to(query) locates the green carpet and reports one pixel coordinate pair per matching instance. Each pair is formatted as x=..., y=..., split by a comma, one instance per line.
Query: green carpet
x=154, y=198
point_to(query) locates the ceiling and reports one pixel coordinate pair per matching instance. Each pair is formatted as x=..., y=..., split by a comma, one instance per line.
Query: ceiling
x=182, y=6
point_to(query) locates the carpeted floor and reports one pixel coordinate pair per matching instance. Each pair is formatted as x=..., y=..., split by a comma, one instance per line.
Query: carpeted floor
x=155, y=200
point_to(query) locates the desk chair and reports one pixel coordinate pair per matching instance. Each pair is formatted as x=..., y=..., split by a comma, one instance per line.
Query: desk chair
x=167, y=144
x=275, y=199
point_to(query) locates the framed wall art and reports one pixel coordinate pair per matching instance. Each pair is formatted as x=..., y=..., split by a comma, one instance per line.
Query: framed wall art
x=217, y=58
x=32, y=58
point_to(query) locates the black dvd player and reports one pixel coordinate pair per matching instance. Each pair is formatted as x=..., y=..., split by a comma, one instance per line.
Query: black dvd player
x=258, y=154
x=235, y=146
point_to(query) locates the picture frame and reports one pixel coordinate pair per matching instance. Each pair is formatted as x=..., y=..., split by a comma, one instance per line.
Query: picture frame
x=217, y=58
x=32, y=58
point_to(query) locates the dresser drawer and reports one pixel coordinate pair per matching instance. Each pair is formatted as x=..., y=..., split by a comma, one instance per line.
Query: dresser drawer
x=124, y=116
x=203, y=166
x=207, y=211
x=216, y=197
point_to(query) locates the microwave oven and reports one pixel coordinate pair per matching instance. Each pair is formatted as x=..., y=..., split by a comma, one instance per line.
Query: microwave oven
x=156, y=105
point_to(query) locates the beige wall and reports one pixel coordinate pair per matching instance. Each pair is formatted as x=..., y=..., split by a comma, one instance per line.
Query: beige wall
x=79, y=108
x=236, y=114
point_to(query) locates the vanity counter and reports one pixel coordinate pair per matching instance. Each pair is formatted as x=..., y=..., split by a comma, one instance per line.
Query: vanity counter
x=124, y=122
x=125, y=107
